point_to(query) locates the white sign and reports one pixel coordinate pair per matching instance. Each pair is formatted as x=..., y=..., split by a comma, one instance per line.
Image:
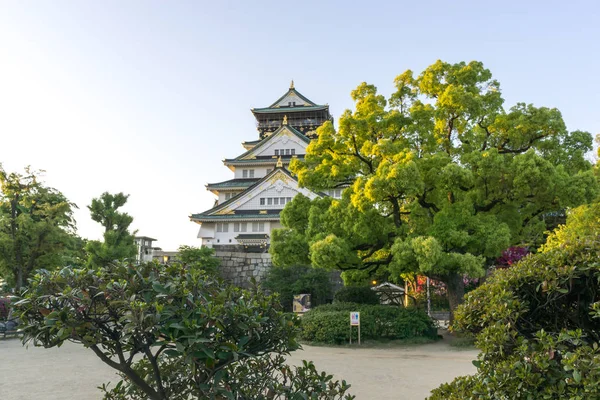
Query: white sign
x=354, y=318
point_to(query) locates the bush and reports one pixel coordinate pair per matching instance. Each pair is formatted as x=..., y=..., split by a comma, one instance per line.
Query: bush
x=331, y=323
x=299, y=279
x=537, y=323
x=357, y=294
x=173, y=332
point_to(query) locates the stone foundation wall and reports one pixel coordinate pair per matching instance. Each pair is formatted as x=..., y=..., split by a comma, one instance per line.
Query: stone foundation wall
x=238, y=267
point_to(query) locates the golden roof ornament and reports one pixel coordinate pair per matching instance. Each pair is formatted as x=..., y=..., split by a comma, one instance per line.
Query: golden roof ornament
x=292, y=84
x=285, y=120
x=279, y=163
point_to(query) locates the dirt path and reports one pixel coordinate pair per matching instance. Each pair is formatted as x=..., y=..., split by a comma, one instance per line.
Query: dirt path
x=400, y=373
x=73, y=372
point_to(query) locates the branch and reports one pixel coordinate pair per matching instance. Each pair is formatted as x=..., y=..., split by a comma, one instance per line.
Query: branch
x=156, y=370
x=487, y=135
x=487, y=207
x=425, y=204
x=135, y=378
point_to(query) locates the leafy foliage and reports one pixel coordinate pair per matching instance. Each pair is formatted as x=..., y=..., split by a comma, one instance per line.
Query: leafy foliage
x=299, y=279
x=118, y=241
x=37, y=229
x=439, y=179
x=172, y=332
x=357, y=294
x=330, y=323
x=511, y=256
x=537, y=323
x=199, y=257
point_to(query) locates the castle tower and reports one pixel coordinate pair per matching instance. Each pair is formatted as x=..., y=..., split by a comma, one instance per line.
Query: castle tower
x=247, y=207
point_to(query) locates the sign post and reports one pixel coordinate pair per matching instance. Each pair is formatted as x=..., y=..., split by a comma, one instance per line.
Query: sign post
x=354, y=321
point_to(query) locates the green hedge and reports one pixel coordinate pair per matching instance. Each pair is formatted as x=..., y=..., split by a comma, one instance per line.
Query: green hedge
x=331, y=323
x=357, y=294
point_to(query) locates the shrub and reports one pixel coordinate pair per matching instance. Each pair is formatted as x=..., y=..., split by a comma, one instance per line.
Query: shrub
x=537, y=323
x=173, y=332
x=331, y=323
x=299, y=279
x=357, y=294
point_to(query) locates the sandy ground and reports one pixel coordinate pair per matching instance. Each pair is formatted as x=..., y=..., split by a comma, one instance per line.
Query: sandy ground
x=72, y=372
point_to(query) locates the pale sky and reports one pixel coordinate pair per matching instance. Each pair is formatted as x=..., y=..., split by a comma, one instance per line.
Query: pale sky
x=148, y=97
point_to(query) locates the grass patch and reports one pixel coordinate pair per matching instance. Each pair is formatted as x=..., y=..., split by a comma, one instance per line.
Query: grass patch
x=377, y=344
x=463, y=342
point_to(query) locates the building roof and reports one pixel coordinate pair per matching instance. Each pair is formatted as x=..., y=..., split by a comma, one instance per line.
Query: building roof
x=272, y=160
x=275, y=108
x=212, y=213
x=288, y=110
x=267, y=139
x=202, y=217
x=252, y=236
x=144, y=237
x=232, y=184
x=250, y=143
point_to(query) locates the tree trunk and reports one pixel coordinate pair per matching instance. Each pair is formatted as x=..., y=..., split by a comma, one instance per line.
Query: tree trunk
x=19, y=279
x=456, y=292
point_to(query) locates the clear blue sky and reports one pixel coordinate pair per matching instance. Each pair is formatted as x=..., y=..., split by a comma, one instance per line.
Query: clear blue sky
x=148, y=97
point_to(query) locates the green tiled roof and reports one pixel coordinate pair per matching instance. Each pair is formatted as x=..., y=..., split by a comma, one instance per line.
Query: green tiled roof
x=220, y=217
x=210, y=213
x=261, y=161
x=262, y=142
x=293, y=90
x=252, y=236
x=233, y=183
x=288, y=110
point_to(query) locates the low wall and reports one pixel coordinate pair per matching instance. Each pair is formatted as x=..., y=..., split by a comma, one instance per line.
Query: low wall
x=239, y=267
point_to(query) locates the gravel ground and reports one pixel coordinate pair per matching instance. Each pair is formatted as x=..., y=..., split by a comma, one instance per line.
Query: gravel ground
x=72, y=372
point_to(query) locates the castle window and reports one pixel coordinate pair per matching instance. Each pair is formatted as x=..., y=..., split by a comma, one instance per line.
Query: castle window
x=288, y=199
x=276, y=201
x=222, y=227
x=269, y=201
x=282, y=200
x=240, y=226
x=258, y=227
x=287, y=152
x=276, y=152
x=293, y=151
x=262, y=201
x=245, y=173
x=251, y=173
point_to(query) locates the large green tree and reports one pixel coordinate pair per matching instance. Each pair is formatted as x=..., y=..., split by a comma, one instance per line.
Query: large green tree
x=439, y=178
x=37, y=229
x=118, y=243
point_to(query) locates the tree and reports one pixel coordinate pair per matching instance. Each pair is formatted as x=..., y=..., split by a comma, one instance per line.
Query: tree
x=299, y=279
x=199, y=257
x=438, y=179
x=37, y=229
x=537, y=323
x=173, y=332
x=118, y=242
